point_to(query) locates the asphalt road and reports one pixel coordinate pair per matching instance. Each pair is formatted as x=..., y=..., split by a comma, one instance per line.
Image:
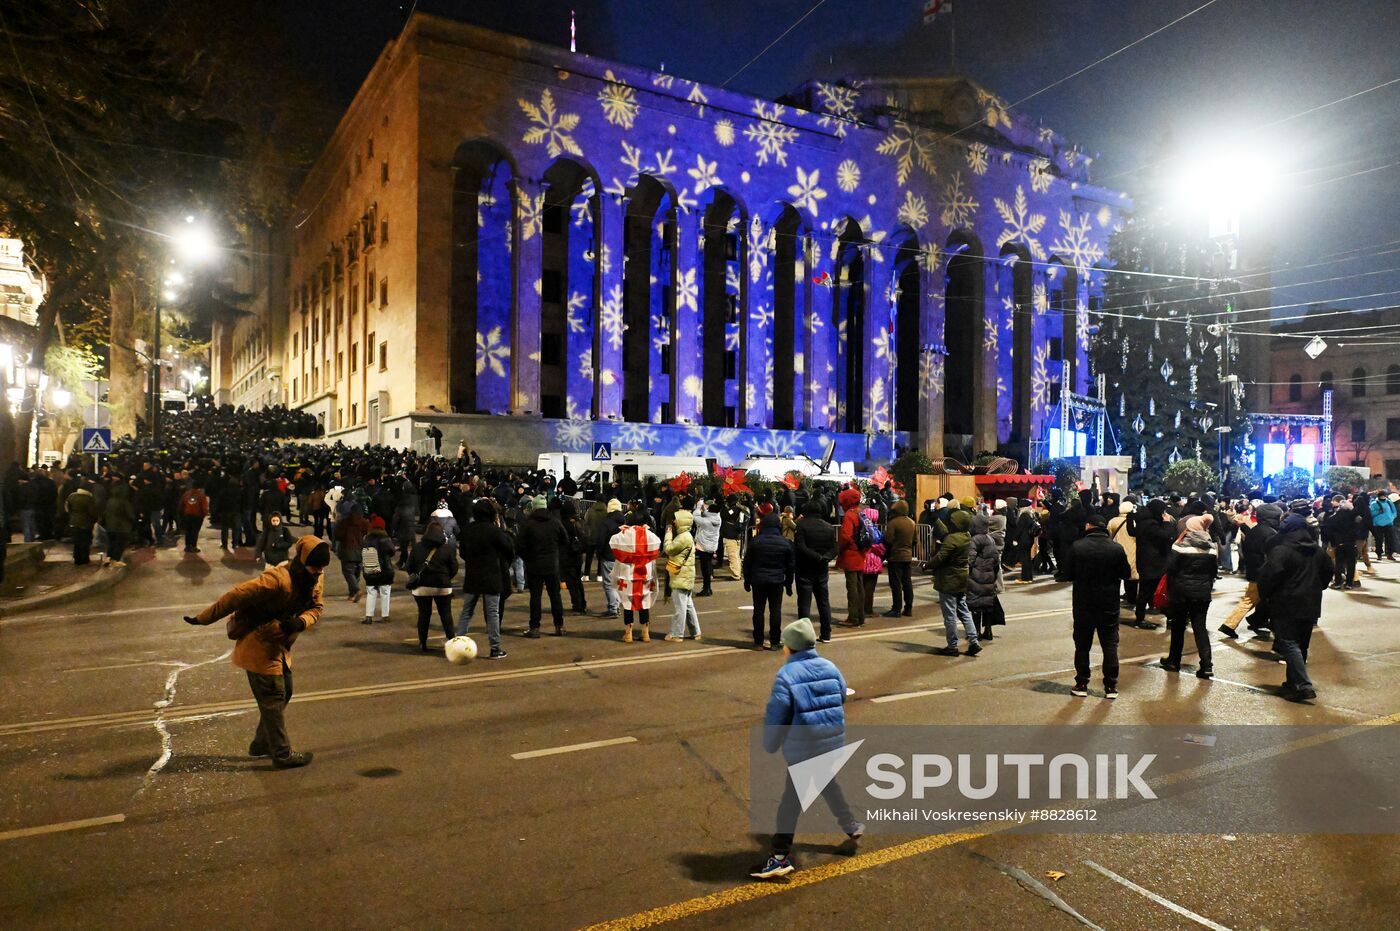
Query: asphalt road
x=428, y=805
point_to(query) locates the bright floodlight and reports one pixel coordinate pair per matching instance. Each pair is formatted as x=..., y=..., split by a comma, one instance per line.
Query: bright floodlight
x=62, y=397
x=194, y=241
x=169, y=295
x=1227, y=181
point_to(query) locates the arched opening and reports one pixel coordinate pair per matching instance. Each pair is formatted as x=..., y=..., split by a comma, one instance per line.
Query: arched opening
x=481, y=299
x=908, y=334
x=1295, y=388
x=648, y=324
x=1063, y=284
x=961, y=323
x=1358, y=383
x=1325, y=381
x=568, y=293
x=788, y=241
x=722, y=341
x=848, y=321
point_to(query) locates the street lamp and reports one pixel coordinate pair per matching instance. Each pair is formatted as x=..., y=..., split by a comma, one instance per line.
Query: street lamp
x=195, y=243
x=62, y=397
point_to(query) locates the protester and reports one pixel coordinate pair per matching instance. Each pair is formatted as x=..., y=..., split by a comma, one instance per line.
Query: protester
x=431, y=568
x=634, y=552
x=853, y=541
x=814, y=545
x=1253, y=552
x=275, y=543
x=1292, y=580
x=540, y=542
x=680, y=567
x=350, y=534
x=1152, y=529
x=769, y=570
x=487, y=552
x=1190, y=573
x=706, y=533
x=269, y=612
x=805, y=717
x=377, y=563
x=1096, y=567
x=984, y=581
x=900, y=534
x=950, y=571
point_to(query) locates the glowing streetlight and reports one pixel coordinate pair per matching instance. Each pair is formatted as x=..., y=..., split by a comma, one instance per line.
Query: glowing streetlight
x=1222, y=184
x=194, y=242
x=62, y=397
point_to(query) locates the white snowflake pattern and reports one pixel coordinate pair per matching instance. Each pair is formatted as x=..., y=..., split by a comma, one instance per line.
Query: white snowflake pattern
x=708, y=442
x=781, y=444
x=1040, y=300
x=492, y=353
x=913, y=212
x=552, y=128
x=663, y=80
x=878, y=420
x=697, y=99
x=612, y=319
x=1040, y=378
x=582, y=207
x=724, y=132
x=929, y=257
x=769, y=133
x=687, y=290
x=1074, y=243
x=1105, y=216
x=977, y=158
x=1039, y=171
x=575, y=314
x=908, y=145
x=807, y=192
x=760, y=245
x=1081, y=325
x=619, y=101
x=660, y=332
x=848, y=176
x=705, y=174
x=1022, y=226
x=693, y=387
x=990, y=334
x=585, y=364
x=930, y=376
x=530, y=211
x=958, y=205
x=573, y=434
x=838, y=103
x=994, y=108
x=637, y=435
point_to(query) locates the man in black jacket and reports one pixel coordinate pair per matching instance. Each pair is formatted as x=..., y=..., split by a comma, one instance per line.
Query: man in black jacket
x=607, y=527
x=1097, y=567
x=487, y=552
x=815, y=542
x=1292, y=580
x=769, y=566
x=1341, y=531
x=1154, y=533
x=540, y=542
x=1253, y=550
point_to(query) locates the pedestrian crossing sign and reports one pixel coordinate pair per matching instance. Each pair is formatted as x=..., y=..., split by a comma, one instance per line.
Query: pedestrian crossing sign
x=97, y=440
x=602, y=452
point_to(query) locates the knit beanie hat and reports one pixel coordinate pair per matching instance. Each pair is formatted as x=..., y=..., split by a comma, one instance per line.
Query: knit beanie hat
x=799, y=635
x=614, y=506
x=539, y=503
x=969, y=502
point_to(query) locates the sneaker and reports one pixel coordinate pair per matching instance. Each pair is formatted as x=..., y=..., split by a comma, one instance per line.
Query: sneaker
x=291, y=760
x=1229, y=632
x=257, y=751
x=1110, y=693
x=824, y=638
x=533, y=633
x=367, y=620
x=974, y=648
x=1079, y=691
x=946, y=651
x=497, y=654
x=775, y=867
x=671, y=638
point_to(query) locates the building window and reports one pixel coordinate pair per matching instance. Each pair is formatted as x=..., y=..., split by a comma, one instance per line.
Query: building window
x=383, y=232
x=339, y=310
x=1392, y=429
x=369, y=351
x=369, y=289
x=552, y=286
x=339, y=366
x=383, y=357
x=294, y=343
x=383, y=292
x=354, y=414
x=551, y=349
x=553, y=219
x=369, y=148
x=294, y=389
x=1295, y=388
x=1392, y=468
x=1057, y=349
x=1324, y=381
x=1358, y=383
x=1392, y=380
x=384, y=172
x=354, y=358
x=1358, y=431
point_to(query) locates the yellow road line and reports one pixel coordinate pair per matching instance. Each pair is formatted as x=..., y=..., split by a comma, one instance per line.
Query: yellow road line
x=738, y=895
x=61, y=826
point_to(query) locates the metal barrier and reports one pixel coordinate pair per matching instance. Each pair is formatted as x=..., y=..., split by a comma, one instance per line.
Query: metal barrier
x=924, y=547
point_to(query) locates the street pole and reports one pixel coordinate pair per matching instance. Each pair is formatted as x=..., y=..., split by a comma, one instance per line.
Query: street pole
x=155, y=380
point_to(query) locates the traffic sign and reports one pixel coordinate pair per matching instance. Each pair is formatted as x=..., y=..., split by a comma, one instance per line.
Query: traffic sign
x=602, y=452
x=97, y=440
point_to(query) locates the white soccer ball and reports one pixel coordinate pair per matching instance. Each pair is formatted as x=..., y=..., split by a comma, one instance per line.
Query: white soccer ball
x=460, y=650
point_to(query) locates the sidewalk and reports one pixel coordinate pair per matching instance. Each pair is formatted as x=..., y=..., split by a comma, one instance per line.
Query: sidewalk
x=40, y=575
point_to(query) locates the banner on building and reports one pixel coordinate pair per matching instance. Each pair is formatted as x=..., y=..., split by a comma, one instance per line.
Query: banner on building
x=933, y=7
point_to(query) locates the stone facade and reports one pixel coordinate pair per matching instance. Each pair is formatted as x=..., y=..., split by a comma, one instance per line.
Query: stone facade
x=1364, y=374
x=247, y=351
x=500, y=228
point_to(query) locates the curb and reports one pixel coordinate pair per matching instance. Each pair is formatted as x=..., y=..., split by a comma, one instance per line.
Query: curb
x=100, y=581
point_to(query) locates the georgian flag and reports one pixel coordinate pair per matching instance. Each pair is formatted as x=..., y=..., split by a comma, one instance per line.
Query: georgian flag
x=933, y=7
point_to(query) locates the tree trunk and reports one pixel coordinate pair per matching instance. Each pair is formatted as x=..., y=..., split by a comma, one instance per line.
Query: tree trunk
x=126, y=391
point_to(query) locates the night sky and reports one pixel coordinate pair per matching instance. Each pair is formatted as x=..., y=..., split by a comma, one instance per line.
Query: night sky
x=1209, y=82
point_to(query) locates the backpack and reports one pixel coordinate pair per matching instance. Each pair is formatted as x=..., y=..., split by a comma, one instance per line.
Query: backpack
x=865, y=533
x=191, y=504
x=369, y=560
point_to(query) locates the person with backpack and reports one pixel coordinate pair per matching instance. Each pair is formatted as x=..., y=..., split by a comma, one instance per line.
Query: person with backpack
x=377, y=564
x=853, y=541
x=1294, y=576
x=350, y=534
x=874, y=561
x=275, y=543
x=194, y=507
x=1383, y=517
x=432, y=566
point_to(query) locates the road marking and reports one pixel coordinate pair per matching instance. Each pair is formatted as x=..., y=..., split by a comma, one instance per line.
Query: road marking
x=148, y=662
x=806, y=877
x=61, y=826
x=571, y=748
x=901, y=696
x=1160, y=900
x=192, y=712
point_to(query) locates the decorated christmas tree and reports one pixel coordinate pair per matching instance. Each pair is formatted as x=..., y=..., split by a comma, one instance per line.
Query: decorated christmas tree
x=1165, y=348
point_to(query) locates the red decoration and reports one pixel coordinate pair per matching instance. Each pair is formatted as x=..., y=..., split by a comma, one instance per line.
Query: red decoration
x=793, y=480
x=735, y=481
x=881, y=478
x=680, y=483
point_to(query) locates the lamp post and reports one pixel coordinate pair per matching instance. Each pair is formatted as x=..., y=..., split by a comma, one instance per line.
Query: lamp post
x=194, y=242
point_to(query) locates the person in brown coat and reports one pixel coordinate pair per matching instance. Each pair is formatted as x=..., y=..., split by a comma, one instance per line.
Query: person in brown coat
x=268, y=614
x=900, y=533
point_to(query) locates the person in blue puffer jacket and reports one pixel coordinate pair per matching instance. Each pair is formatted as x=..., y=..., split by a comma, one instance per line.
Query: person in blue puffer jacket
x=806, y=717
